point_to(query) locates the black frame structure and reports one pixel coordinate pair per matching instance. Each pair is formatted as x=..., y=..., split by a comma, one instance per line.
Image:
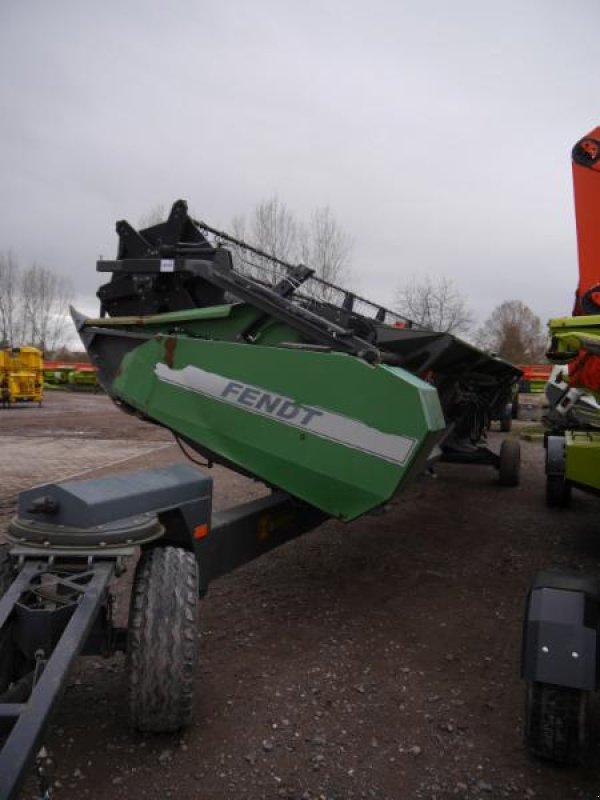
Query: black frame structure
x=59, y=604
x=88, y=594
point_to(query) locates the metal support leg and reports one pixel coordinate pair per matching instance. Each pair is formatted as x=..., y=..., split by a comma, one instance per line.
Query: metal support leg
x=23, y=742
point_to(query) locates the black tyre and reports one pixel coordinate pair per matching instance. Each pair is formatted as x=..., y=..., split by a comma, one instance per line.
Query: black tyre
x=7, y=569
x=7, y=650
x=558, y=491
x=510, y=463
x=556, y=722
x=162, y=639
x=506, y=424
x=515, y=408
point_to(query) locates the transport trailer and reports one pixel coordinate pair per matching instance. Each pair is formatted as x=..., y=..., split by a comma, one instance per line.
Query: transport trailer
x=66, y=546
x=333, y=402
x=64, y=549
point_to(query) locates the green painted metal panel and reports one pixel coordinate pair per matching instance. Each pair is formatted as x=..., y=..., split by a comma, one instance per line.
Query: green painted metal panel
x=569, y=334
x=583, y=457
x=187, y=315
x=326, y=427
x=226, y=322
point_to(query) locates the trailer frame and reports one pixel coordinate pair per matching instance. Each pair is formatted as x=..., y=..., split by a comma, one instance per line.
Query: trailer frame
x=50, y=546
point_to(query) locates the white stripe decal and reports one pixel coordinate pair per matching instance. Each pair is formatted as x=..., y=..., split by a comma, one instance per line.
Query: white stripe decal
x=325, y=424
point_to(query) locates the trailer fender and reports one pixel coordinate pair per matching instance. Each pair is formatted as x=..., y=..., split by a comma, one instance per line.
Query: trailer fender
x=560, y=632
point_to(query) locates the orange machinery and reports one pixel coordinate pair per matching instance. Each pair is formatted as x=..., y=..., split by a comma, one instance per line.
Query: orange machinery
x=586, y=184
x=576, y=339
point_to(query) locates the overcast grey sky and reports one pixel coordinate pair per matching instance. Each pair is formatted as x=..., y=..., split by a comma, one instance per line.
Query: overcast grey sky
x=438, y=132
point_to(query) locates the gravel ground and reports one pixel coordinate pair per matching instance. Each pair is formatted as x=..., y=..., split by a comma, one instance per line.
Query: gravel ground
x=373, y=660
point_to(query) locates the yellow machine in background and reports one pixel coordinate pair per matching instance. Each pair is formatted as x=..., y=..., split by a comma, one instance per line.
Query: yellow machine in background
x=21, y=375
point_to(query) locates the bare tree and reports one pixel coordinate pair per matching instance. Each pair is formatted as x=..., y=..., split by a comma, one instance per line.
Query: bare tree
x=243, y=260
x=153, y=216
x=45, y=298
x=10, y=317
x=274, y=229
x=514, y=332
x=321, y=243
x=436, y=304
x=325, y=247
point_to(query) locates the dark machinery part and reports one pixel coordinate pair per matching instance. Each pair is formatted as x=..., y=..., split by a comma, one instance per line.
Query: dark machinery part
x=507, y=462
x=560, y=640
x=558, y=488
x=29, y=719
x=510, y=463
x=560, y=663
x=556, y=721
x=55, y=600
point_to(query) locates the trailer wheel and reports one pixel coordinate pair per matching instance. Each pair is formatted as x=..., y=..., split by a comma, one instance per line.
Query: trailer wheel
x=162, y=639
x=556, y=722
x=510, y=463
x=558, y=491
x=506, y=424
x=515, y=408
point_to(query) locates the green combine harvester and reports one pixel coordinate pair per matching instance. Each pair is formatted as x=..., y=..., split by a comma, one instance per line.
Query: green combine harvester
x=264, y=367
x=573, y=420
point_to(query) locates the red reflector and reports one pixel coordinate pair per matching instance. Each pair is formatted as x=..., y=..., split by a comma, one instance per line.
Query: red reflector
x=200, y=531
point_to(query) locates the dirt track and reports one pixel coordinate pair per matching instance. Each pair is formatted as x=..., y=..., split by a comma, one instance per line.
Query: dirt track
x=374, y=660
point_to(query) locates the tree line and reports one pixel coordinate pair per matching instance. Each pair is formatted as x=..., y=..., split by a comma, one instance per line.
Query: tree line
x=34, y=304
x=512, y=331
x=34, y=299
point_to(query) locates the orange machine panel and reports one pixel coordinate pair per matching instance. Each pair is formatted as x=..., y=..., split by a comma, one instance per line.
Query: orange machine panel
x=586, y=184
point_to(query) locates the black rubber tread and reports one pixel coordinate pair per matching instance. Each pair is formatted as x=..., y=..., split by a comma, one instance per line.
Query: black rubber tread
x=556, y=722
x=7, y=568
x=558, y=491
x=515, y=408
x=162, y=639
x=510, y=463
x=506, y=424
x=7, y=575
